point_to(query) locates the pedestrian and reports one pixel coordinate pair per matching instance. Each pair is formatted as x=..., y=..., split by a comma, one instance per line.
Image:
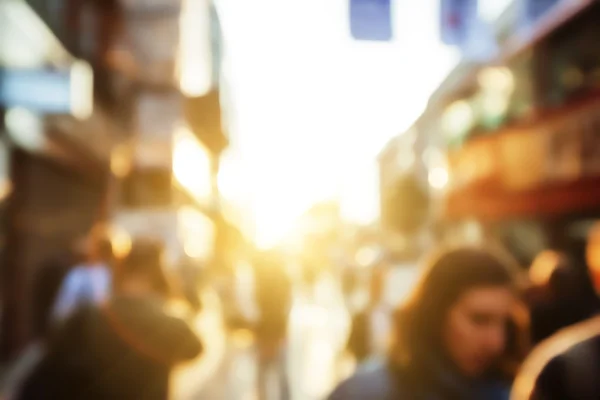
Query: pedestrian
x=124, y=349
x=369, y=335
x=451, y=337
x=89, y=282
x=562, y=294
x=567, y=365
x=273, y=292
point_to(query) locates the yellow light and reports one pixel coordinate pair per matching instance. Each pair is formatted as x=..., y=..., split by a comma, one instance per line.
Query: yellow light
x=120, y=160
x=119, y=239
x=367, y=256
x=458, y=118
x=196, y=233
x=499, y=79
x=494, y=104
x=438, y=178
x=543, y=266
x=192, y=165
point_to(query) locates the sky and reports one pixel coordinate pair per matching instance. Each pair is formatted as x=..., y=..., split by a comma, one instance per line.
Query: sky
x=311, y=107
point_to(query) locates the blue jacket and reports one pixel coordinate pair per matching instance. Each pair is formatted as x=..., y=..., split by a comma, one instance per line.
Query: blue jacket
x=377, y=381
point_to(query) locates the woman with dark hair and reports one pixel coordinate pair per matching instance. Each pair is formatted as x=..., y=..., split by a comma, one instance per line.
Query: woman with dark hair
x=454, y=339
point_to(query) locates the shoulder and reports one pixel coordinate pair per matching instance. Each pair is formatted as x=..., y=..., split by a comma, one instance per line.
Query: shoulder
x=371, y=381
x=547, y=360
x=75, y=273
x=496, y=390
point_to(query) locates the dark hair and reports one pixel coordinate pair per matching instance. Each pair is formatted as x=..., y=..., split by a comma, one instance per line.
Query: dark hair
x=419, y=322
x=145, y=259
x=103, y=250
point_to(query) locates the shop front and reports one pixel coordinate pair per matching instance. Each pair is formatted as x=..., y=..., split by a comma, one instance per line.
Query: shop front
x=525, y=165
x=55, y=186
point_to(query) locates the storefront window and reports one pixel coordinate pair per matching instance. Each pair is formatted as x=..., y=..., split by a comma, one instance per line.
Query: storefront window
x=574, y=60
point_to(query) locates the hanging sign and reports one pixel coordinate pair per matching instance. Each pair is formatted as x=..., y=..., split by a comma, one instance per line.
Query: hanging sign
x=371, y=20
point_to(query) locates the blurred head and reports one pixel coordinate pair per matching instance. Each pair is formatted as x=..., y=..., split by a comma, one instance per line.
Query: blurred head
x=143, y=268
x=97, y=245
x=460, y=312
x=104, y=250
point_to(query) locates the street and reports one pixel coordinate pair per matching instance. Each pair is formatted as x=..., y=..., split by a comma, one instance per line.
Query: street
x=318, y=329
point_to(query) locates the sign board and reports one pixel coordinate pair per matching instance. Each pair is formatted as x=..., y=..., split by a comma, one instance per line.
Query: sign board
x=462, y=26
x=533, y=10
x=455, y=20
x=67, y=91
x=371, y=20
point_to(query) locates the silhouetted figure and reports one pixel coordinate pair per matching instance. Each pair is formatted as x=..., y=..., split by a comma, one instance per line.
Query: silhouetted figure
x=122, y=350
x=371, y=326
x=273, y=292
x=567, y=365
x=565, y=298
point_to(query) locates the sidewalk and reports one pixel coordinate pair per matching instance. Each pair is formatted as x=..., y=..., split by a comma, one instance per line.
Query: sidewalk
x=318, y=329
x=189, y=380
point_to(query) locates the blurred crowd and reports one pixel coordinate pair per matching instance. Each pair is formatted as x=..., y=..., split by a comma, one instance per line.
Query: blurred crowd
x=479, y=326
x=475, y=326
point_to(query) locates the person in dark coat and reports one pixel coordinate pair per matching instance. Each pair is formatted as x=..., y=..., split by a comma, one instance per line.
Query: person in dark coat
x=370, y=327
x=121, y=350
x=451, y=337
x=562, y=294
x=567, y=365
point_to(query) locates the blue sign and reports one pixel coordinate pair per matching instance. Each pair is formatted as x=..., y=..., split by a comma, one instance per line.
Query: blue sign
x=462, y=27
x=65, y=91
x=37, y=90
x=535, y=9
x=371, y=20
x=456, y=18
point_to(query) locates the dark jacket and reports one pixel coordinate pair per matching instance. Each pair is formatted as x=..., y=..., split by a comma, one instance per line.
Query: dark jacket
x=565, y=367
x=123, y=351
x=378, y=381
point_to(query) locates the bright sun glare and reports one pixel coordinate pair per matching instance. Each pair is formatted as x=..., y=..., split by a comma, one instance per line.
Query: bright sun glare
x=312, y=107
